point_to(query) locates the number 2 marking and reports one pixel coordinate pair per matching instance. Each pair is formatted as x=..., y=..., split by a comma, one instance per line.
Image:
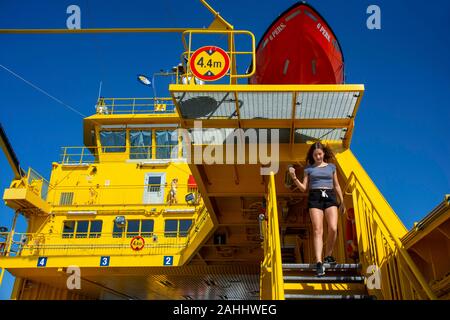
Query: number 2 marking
x=168, y=260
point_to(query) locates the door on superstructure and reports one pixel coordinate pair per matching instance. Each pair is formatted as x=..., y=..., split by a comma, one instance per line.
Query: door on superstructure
x=154, y=187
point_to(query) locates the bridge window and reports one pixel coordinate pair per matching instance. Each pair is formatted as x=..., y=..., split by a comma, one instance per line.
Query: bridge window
x=96, y=229
x=178, y=227
x=82, y=228
x=69, y=229
x=133, y=228
x=140, y=144
x=166, y=144
x=113, y=141
x=143, y=228
x=147, y=228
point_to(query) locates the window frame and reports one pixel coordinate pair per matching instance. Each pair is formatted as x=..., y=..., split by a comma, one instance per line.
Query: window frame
x=81, y=235
x=112, y=149
x=178, y=233
x=124, y=231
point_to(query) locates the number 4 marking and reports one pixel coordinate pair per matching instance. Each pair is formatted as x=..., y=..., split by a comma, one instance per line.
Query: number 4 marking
x=168, y=260
x=42, y=261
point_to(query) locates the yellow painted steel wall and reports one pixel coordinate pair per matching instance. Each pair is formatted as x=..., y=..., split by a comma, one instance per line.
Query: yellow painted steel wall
x=113, y=183
x=114, y=189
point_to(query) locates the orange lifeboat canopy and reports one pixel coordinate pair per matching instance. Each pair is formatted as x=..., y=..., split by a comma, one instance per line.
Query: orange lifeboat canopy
x=299, y=47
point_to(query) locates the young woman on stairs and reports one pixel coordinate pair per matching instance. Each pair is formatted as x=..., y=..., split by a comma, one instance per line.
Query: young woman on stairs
x=320, y=179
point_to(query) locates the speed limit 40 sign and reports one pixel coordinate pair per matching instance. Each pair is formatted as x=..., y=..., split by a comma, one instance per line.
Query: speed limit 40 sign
x=209, y=63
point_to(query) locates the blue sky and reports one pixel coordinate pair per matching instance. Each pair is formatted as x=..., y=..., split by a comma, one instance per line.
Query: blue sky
x=401, y=136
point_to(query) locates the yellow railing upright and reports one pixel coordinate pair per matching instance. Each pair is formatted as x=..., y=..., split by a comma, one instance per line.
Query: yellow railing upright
x=114, y=106
x=271, y=280
x=379, y=232
x=233, y=53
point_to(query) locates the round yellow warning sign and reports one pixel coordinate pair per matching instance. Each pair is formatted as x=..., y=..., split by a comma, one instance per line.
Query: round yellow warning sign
x=209, y=63
x=137, y=243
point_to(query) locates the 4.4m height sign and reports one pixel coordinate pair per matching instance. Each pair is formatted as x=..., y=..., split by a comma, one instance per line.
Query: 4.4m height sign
x=209, y=63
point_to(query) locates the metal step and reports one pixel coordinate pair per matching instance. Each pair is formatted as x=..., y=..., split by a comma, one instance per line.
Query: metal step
x=290, y=296
x=328, y=267
x=324, y=288
x=326, y=279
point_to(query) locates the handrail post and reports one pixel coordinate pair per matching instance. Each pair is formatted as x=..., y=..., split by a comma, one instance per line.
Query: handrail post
x=81, y=155
x=261, y=219
x=2, y=273
x=277, y=268
x=64, y=155
x=10, y=239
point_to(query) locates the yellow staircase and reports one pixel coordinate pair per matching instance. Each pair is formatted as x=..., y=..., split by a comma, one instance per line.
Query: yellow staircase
x=385, y=271
x=341, y=281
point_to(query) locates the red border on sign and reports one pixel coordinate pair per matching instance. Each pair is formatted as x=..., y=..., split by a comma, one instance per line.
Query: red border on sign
x=138, y=248
x=209, y=78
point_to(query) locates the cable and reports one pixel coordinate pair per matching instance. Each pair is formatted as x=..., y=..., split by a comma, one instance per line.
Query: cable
x=43, y=91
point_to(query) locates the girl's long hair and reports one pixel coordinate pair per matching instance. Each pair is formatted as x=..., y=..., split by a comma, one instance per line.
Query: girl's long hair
x=328, y=154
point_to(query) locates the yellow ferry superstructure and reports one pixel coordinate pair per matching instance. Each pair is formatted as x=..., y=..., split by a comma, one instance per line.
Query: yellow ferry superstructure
x=112, y=215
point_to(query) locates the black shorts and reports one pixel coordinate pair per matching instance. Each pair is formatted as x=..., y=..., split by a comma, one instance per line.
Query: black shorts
x=317, y=199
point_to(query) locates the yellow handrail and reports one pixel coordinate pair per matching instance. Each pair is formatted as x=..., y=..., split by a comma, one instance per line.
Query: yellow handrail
x=366, y=213
x=91, y=154
x=271, y=281
x=84, y=243
x=110, y=106
x=203, y=214
x=232, y=73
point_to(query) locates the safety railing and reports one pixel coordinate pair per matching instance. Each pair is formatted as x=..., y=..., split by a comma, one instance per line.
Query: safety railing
x=48, y=244
x=378, y=246
x=202, y=216
x=271, y=279
x=4, y=241
x=88, y=155
x=156, y=152
x=232, y=52
x=37, y=183
x=84, y=243
x=78, y=155
x=107, y=106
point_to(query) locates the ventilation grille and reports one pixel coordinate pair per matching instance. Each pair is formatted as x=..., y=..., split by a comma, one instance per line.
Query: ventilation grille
x=66, y=198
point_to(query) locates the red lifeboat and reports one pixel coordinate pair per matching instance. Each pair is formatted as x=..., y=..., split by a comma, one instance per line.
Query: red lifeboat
x=299, y=48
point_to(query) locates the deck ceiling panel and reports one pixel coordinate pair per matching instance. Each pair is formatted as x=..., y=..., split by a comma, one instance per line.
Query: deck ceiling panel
x=325, y=105
x=304, y=135
x=265, y=105
x=207, y=105
x=304, y=112
x=270, y=102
